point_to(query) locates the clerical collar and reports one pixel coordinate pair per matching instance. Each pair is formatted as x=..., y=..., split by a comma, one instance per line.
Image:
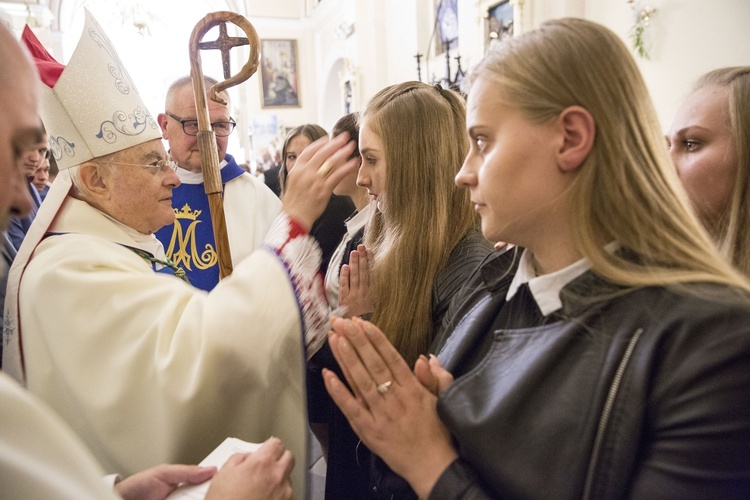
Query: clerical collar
x=546, y=288
x=188, y=177
x=147, y=242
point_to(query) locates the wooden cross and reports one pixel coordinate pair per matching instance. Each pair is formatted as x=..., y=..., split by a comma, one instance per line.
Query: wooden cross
x=206, y=137
x=224, y=43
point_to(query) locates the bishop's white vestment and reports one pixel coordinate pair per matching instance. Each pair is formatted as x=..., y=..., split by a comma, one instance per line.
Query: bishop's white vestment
x=40, y=457
x=148, y=369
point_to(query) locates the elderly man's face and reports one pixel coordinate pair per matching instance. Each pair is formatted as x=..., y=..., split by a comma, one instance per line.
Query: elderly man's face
x=20, y=129
x=183, y=148
x=140, y=197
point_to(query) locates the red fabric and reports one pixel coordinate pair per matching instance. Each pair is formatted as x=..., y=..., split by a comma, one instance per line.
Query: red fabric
x=49, y=69
x=295, y=229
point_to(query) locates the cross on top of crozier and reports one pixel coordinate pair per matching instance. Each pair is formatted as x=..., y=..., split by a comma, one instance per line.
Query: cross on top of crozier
x=224, y=43
x=206, y=138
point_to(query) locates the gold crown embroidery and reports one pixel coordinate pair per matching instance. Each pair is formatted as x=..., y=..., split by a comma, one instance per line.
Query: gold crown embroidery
x=186, y=213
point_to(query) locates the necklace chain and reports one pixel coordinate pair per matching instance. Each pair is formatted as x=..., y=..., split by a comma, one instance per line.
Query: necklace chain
x=178, y=271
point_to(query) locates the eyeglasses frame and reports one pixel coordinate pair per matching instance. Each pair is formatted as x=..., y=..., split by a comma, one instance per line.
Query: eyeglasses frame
x=182, y=122
x=168, y=162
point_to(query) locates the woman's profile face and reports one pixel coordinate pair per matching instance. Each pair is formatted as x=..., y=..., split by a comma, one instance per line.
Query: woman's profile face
x=511, y=169
x=701, y=146
x=373, y=168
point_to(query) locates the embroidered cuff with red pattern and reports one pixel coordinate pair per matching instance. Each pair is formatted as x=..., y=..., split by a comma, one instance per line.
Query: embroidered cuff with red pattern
x=302, y=256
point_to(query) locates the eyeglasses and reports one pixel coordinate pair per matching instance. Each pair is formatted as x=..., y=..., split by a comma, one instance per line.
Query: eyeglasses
x=163, y=166
x=190, y=127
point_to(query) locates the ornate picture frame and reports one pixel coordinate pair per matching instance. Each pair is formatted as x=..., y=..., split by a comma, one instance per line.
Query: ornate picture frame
x=499, y=23
x=279, y=72
x=446, y=25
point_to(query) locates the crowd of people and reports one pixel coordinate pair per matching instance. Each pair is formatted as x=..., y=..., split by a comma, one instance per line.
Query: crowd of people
x=520, y=292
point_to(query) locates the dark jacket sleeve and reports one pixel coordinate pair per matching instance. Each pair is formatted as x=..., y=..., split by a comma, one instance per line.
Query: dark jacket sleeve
x=458, y=482
x=698, y=442
x=330, y=227
x=464, y=259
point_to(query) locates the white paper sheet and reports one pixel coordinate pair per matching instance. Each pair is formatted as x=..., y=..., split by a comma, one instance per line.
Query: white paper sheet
x=216, y=458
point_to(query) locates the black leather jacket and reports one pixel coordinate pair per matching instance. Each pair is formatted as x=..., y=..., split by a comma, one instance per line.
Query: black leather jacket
x=644, y=394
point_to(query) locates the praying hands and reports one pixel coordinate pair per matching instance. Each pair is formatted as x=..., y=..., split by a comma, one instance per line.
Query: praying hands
x=391, y=409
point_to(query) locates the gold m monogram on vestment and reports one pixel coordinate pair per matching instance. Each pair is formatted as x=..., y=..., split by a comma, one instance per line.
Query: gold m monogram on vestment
x=183, y=247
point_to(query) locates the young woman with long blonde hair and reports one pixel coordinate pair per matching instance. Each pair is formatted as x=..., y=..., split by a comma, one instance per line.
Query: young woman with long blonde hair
x=412, y=144
x=612, y=359
x=420, y=244
x=709, y=143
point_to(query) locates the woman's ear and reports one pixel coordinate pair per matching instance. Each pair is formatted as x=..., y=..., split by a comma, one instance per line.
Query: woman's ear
x=94, y=179
x=578, y=130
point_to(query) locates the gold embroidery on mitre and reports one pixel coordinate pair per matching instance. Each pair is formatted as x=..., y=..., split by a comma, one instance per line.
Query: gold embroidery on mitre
x=183, y=249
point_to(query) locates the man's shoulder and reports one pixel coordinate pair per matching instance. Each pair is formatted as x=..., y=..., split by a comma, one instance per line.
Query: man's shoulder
x=72, y=247
x=248, y=182
x=247, y=176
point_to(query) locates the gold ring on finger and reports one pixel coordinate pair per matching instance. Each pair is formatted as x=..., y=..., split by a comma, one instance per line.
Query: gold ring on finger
x=325, y=169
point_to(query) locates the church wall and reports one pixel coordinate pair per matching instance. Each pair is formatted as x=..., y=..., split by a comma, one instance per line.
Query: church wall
x=287, y=117
x=291, y=9
x=372, y=57
x=334, y=44
x=685, y=39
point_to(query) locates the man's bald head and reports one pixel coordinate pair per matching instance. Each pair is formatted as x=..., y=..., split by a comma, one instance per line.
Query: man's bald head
x=179, y=108
x=20, y=128
x=186, y=82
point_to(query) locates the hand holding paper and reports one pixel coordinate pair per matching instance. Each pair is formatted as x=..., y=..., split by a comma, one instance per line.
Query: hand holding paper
x=246, y=471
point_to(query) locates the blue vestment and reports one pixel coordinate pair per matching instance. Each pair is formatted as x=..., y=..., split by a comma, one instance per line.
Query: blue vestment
x=189, y=242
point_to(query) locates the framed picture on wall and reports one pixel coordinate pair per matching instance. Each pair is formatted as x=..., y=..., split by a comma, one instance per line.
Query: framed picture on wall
x=499, y=22
x=446, y=25
x=279, y=74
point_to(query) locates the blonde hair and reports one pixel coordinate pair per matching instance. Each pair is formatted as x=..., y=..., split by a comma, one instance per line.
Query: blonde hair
x=422, y=132
x=732, y=231
x=627, y=190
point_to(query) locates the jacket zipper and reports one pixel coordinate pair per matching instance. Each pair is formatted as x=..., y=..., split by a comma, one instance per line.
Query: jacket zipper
x=606, y=412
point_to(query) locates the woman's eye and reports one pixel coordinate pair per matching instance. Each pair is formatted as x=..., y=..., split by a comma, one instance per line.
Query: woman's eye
x=480, y=144
x=691, y=145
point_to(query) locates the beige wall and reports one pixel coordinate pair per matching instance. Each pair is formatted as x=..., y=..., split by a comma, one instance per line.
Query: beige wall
x=685, y=39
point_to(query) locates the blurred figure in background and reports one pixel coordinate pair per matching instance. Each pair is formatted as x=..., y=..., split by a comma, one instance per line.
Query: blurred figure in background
x=41, y=178
x=330, y=226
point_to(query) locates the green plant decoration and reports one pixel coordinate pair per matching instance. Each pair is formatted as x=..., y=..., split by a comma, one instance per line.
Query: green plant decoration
x=642, y=20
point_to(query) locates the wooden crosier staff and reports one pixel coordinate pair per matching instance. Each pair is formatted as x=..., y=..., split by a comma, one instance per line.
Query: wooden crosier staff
x=206, y=137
